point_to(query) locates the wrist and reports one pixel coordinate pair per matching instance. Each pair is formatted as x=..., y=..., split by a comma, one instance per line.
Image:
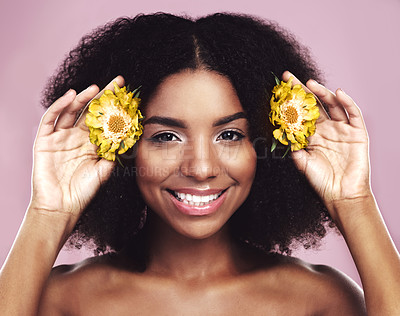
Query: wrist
x=352, y=211
x=54, y=226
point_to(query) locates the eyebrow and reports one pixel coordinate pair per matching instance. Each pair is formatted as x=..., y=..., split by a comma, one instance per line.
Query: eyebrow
x=229, y=118
x=163, y=120
x=170, y=121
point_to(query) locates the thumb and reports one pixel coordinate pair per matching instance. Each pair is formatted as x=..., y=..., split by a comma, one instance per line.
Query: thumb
x=104, y=169
x=300, y=159
x=98, y=174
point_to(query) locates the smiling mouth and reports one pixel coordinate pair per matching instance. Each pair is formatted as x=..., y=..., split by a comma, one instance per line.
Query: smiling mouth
x=195, y=200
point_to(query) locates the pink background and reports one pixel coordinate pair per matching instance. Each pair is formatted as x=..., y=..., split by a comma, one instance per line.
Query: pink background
x=356, y=43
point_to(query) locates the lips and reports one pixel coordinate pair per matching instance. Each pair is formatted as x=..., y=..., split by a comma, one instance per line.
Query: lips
x=197, y=202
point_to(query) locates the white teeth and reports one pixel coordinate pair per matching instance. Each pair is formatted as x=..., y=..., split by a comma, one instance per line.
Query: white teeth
x=196, y=200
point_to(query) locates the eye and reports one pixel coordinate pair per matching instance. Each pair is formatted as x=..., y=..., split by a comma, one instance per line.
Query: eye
x=230, y=136
x=164, y=137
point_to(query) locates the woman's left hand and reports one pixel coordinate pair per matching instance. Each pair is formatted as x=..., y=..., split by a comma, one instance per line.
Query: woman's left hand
x=336, y=160
x=336, y=164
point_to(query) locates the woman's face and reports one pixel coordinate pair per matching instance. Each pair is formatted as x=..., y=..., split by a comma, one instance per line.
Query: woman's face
x=195, y=162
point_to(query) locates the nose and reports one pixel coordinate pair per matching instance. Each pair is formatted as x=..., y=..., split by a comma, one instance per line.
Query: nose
x=200, y=160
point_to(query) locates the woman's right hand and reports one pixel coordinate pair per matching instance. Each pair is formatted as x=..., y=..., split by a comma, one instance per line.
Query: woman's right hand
x=67, y=171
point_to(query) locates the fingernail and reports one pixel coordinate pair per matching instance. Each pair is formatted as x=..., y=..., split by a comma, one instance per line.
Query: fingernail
x=69, y=92
x=90, y=87
x=314, y=81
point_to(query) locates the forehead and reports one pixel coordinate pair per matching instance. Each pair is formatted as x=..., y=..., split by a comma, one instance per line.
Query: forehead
x=194, y=94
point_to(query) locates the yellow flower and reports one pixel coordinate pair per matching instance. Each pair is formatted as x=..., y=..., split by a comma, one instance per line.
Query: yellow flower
x=114, y=122
x=295, y=111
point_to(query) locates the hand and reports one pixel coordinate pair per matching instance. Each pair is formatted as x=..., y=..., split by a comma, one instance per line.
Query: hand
x=336, y=160
x=67, y=171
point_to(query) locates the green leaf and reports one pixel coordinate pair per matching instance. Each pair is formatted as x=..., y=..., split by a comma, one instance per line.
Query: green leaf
x=287, y=150
x=277, y=81
x=136, y=92
x=274, y=143
x=119, y=160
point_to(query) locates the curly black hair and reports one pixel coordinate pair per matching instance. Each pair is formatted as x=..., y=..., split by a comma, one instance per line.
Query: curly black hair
x=281, y=207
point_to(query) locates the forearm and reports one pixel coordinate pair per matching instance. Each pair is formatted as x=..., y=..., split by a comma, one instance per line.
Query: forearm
x=29, y=262
x=374, y=253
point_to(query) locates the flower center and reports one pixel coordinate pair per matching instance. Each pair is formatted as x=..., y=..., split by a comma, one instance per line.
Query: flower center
x=116, y=124
x=291, y=115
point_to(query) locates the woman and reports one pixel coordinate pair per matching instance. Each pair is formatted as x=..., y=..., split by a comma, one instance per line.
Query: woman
x=205, y=94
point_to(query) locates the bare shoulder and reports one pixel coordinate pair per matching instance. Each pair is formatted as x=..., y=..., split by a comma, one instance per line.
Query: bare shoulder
x=69, y=284
x=342, y=291
x=331, y=291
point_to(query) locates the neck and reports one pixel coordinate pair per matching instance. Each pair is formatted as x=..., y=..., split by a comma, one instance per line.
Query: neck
x=172, y=254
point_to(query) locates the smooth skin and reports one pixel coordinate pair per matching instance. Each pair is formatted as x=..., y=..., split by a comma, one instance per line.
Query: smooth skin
x=194, y=267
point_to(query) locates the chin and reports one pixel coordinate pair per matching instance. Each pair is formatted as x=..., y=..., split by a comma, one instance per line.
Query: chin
x=200, y=229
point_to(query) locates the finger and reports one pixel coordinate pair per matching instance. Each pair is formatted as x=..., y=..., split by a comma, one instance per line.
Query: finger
x=104, y=169
x=336, y=110
x=353, y=111
x=286, y=76
x=99, y=173
x=301, y=159
x=81, y=119
x=68, y=115
x=49, y=118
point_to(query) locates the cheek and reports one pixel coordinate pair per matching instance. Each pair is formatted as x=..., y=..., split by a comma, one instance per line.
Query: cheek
x=240, y=163
x=153, y=166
